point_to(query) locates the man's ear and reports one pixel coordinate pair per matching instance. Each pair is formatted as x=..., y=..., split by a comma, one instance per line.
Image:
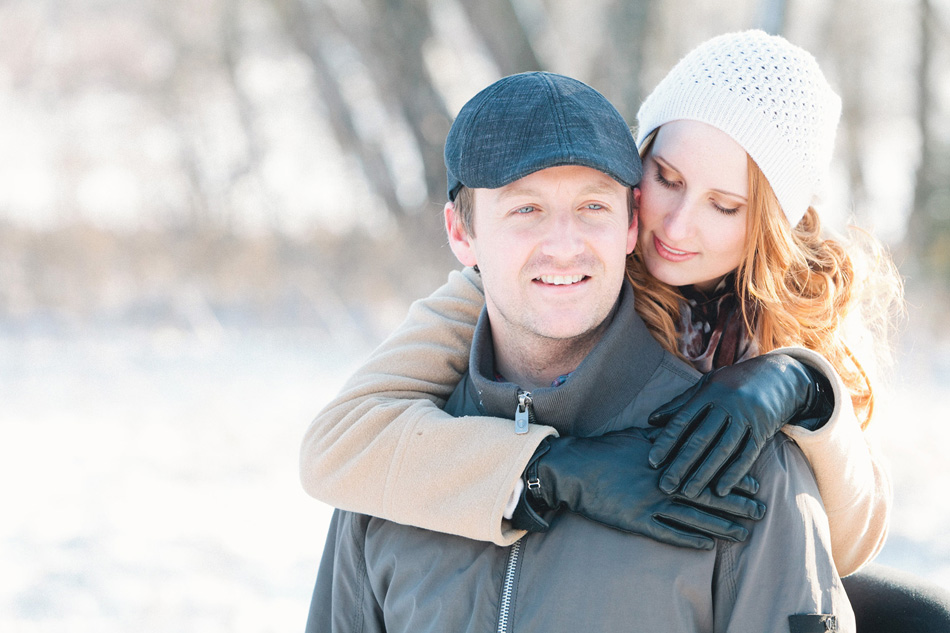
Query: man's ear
x=459, y=240
x=633, y=229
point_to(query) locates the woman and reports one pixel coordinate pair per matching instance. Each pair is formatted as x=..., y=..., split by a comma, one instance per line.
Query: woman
x=729, y=265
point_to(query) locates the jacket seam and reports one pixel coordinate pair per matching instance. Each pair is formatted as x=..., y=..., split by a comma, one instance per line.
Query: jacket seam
x=358, y=616
x=395, y=467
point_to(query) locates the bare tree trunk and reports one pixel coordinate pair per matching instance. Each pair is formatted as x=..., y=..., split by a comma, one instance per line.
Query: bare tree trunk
x=848, y=47
x=926, y=239
x=172, y=94
x=618, y=71
x=923, y=188
x=232, y=50
x=308, y=27
x=773, y=13
x=497, y=22
x=400, y=71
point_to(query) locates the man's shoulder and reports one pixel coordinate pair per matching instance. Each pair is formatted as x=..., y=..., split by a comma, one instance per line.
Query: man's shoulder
x=671, y=377
x=676, y=370
x=782, y=453
x=783, y=472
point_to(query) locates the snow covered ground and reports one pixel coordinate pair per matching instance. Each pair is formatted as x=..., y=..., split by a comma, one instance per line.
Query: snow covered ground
x=148, y=479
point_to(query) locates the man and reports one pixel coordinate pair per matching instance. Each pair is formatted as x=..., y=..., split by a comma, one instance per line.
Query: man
x=541, y=176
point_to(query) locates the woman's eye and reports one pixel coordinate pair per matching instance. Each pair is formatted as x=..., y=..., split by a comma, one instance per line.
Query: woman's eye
x=663, y=181
x=726, y=210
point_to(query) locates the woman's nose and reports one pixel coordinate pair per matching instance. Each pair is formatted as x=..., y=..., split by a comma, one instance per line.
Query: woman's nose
x=678, y=222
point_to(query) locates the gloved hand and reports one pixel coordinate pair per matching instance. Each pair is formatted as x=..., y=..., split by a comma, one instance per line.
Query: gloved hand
x=607, y=479
x=724, y=420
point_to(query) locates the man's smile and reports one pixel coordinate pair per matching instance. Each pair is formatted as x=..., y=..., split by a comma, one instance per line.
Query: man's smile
x=561, y=280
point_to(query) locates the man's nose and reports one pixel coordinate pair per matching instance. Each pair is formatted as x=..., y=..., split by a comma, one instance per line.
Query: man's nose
x=564, y=236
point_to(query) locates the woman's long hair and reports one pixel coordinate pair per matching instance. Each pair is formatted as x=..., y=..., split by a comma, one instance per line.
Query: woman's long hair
x=798, y=289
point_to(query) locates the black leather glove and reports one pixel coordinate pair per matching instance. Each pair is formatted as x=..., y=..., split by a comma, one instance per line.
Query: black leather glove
x=607, y=479
x=721, y=423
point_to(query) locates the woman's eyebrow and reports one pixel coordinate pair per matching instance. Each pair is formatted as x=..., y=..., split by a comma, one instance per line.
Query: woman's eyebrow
x=665, y=162
x=668, y=165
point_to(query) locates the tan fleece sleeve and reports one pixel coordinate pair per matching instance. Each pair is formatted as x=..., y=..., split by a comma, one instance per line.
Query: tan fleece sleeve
x=384, y=447
x=852, y=476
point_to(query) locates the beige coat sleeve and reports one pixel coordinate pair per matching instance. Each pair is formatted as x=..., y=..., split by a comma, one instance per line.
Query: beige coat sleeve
x=384, y=447
x=852, y=476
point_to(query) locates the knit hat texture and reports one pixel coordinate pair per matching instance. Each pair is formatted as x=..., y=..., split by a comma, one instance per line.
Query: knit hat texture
x=769, y=95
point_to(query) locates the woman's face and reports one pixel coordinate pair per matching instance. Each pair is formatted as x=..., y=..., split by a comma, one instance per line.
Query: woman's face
x=693, y=205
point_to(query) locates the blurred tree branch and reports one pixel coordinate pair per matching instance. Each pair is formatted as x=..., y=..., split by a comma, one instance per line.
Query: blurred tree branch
x=310, y=24
x=928, y=235
x=849, y=48
x=620, y=63
x=498, y=24
x=232, y=53
x=773, y=16
x=394, y=55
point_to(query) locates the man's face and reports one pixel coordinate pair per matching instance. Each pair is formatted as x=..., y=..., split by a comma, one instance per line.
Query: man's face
x=551, y=248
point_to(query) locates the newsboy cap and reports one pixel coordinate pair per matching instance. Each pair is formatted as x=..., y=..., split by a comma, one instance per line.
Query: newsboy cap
x=531, y=121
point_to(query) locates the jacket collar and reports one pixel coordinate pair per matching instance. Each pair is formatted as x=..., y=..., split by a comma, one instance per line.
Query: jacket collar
x=602, y=385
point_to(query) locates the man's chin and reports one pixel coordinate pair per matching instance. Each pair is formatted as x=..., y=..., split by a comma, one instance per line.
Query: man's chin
x=566, y=328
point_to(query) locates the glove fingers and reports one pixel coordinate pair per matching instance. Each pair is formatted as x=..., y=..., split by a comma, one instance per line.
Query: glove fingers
x=668, y=439
x=738, y=469
x=701, y=436
x=670, y=533
x=746, y=486
x=675, y=433
x=733, y=504
x=703, y=522
x=718, y=456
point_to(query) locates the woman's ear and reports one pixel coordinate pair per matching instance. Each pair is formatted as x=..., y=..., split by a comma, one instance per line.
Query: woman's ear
x=461, y=243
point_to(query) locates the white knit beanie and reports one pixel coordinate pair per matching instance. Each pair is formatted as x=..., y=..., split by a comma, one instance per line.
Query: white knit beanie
x=769, y=96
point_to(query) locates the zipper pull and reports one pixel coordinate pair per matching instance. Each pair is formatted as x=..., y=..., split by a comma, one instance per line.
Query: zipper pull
x=522, y=412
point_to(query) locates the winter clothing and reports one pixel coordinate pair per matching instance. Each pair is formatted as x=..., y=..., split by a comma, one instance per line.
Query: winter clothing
x=375, y=450
x=769, y=95
x=599, y=478
x=888, y=600
x=581, y=575
x=714, y=334
x=726, y=418
x=531, y=121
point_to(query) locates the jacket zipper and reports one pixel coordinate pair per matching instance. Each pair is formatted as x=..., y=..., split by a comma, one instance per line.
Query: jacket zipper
x=522, y=418
x=508, y=587
x=523, y=412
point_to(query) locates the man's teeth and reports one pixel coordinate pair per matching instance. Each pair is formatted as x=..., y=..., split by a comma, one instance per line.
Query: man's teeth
x=561, y=280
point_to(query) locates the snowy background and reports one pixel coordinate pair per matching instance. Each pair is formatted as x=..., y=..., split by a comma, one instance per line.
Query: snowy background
x=150, y=480
x=149, y=477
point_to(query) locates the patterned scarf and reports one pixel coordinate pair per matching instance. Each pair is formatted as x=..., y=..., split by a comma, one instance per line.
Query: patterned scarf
x=712, y=332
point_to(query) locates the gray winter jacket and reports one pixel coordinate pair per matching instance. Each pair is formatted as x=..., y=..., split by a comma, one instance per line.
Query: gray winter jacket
x=379, y=576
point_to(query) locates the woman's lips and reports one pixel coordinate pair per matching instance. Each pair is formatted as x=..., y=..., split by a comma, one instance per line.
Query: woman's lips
x=669, y=253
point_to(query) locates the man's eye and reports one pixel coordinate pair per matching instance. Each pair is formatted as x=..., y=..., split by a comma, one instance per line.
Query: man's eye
x=524, y=210
x=593, y=206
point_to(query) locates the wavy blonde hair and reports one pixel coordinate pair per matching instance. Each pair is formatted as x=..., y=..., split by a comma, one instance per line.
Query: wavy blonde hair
x=796, y=288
